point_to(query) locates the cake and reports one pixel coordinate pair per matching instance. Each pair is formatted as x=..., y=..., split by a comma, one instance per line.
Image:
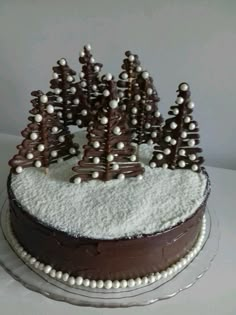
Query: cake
x=120, y=203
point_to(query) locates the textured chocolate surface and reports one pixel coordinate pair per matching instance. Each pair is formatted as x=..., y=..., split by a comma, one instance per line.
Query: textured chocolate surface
x=104, y=259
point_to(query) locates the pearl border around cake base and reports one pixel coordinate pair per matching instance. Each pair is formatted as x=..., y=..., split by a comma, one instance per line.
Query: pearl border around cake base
x=169, y=285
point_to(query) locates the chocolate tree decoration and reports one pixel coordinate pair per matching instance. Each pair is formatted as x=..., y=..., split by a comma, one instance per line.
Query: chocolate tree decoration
x=109, y=153
x=177, y=146
x=145, y=118
x=63, y=89
x=90, y=83
x=46, y=141
x=131, y=68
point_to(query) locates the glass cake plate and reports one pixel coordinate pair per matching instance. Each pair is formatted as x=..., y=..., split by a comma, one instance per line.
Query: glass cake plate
x=137, y=296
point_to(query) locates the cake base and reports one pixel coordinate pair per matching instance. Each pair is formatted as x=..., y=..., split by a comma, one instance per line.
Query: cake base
x=146, y=294
x=99, y=259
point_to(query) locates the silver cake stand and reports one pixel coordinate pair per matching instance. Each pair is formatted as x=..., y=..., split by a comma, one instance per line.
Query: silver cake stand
x=137, y=296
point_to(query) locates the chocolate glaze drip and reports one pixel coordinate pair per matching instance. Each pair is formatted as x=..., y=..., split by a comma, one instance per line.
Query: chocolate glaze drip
x=104, y=259
x=108, y=136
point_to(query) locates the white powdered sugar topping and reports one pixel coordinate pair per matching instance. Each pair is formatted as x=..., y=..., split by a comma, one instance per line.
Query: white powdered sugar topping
x=113, y=209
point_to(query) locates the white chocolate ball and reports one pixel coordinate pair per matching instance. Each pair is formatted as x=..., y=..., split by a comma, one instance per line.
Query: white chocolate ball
x=38, y=163
x=137, y=97
x=120, y=145
x=175, y=111
x=116, y=284
x=148, y=108
x=173, y=141
x=55, y=75
x=72, y=151
x=108, y=284
x=191, y=142
x=138, y=69
x=183, y=134
x=183, y=87
x=94, y=87
x=147, y=125
x=96, y=68
x=106, y=93
x=110, y=157
x=192, y=157
x=100, y=284
x=194, y=167
x=187, y=119
x=43, y=99
x=96, y=144
x=173, y=125
x=181, y=163
x=140, y=177
x=69, y=116
x=167, y=139
x=86, y=282
x=19, y=169
x=88, y=47
x=76, y=101
x=150, y=141
x=81, y=75
x=133, y=158
x=157, y=114
x=191, y=126
x=108, y=76
x=59, y=114
x=77, y=180
x=134, y=110
x=167, y=151
x=165, y=166
x=124, y=76
x=57, y=91
x=84, y=112
x=154, y=134
x=115, y=166
x=92, y=60
x=59, y=99
x=117, y=130
x=62, y=62
x=121, y=94
x=179, y=100
x=50, y=109
x=29, y=156
x=82, y=53
x=131, y=283
x=182, y=152
x=40, y=147
x=61, y=139
x=134, y=121
x=33, y=136
x=123, y=284
x=145, y=75
x=153, y=165
x=159, y=156
x=121, y=176
x=69, y=78
x=191, y=105
x=149, y=91
x=78, y=122
x=83, y=84
x=54, y=153
x=104, y=120
x=131, y=58
x=95, y=175
x=38, y=117
x=113, y=104
x=96, y=160
x=73, y=89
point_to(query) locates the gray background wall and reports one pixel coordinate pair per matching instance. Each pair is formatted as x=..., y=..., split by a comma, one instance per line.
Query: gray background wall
x=193, y=41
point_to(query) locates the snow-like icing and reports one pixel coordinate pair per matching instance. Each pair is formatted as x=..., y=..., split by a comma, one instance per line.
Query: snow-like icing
x=113, y=209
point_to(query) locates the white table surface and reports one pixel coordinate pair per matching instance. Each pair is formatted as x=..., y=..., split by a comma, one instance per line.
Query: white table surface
x=214, y=294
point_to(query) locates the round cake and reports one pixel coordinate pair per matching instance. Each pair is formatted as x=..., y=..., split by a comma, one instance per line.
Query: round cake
x=118, y=230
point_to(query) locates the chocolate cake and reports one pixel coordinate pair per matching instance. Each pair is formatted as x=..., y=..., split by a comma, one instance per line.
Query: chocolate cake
x=124, y=207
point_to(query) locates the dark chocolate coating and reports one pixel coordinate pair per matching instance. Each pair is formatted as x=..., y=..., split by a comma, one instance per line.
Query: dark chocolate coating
x=104, y=259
